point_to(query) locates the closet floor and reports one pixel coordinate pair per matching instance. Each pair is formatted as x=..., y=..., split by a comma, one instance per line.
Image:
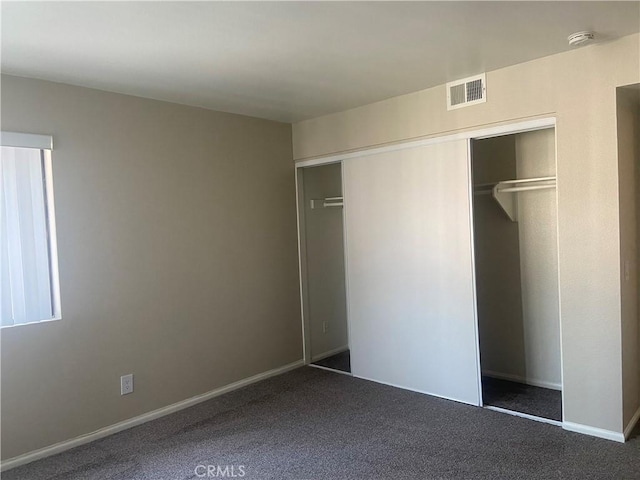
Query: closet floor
x=340, y=361
x=518, y=397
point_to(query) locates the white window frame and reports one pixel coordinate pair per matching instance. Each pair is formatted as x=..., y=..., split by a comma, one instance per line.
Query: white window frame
x=45, y=144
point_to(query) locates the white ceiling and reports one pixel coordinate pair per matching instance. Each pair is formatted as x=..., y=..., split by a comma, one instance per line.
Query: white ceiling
x=288, y=61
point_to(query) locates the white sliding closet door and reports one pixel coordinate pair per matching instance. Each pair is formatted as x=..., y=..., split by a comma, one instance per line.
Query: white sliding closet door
x=409, y=270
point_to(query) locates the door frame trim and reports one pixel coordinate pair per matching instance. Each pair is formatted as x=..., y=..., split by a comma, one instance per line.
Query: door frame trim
x=480, y=133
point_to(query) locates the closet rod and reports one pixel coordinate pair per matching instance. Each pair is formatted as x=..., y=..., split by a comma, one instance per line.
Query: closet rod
x=524, y=189
x=327, y=202
x=529, y=180
x=332, y=202
x=508, y=203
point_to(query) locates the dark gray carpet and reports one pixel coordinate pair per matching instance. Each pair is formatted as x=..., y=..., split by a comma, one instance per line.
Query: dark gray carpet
x=314, y=424
x=541, y=402
x=339, y=361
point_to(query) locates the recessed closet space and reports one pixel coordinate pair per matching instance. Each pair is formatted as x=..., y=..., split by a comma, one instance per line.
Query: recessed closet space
x=322, y=264
x=516, y=268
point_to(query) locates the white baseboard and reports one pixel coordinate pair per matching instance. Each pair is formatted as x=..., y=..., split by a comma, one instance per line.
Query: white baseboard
x=594, y=432
x=632, y=424
x=520, y=379
x=329, y=353
x=146, y=417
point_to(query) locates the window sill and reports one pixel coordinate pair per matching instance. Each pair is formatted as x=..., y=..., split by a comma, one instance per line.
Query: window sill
x=48, y=320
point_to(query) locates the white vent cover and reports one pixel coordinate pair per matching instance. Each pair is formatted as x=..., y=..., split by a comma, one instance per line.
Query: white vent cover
x=466, y=92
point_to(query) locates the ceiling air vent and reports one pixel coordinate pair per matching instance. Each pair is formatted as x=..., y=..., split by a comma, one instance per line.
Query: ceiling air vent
x=467, y=91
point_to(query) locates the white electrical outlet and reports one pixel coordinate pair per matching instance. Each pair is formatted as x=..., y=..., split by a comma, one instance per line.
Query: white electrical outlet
x=325, y=327
x=126, y=384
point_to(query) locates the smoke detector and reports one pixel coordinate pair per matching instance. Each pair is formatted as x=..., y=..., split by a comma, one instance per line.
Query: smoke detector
x=579, y=38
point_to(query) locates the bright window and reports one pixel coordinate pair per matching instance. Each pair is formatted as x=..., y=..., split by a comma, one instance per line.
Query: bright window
x=28, y=258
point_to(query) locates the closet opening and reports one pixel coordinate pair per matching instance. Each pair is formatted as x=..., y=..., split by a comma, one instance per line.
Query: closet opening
x=515, y=229
x=322, y=267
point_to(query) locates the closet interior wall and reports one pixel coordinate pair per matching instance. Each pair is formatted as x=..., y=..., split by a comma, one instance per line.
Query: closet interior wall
x=628, y=131
x=517, y=262
x=324, y=276
x=497, y=256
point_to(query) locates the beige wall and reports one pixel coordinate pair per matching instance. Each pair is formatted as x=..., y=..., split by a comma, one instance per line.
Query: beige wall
x=325, y=274
x=578, y=88
x=628, y=123
x=637, y=161
x=177, y=251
